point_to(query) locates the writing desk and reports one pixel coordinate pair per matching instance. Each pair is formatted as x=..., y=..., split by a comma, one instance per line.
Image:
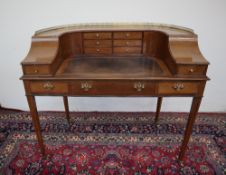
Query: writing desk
x=122, y=60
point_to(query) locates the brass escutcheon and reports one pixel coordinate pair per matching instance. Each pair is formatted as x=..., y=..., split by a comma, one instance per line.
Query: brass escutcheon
x=48, y=86
x=86, y=86
x=178, y=86
x=139, y=86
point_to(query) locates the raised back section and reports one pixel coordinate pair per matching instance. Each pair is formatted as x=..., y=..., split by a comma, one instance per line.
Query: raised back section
x=176, y=47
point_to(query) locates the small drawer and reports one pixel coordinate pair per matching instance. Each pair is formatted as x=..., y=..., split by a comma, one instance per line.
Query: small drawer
x=112, y=88
x=127, y=50
x=101, y=50
x=192, y=70
x=127, y=43
x=97, y=35
x=48, y=87
x=97, y=43
x=127, y=35
x=36, y=70
x=177, y=88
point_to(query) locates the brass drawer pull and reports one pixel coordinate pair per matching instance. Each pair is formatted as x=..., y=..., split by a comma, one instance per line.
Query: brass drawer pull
x=191, y=70
x=178, y=86
x=139, y=86
x=48, y=86
x=36, y=71
x=97, y=35
x=86, y=86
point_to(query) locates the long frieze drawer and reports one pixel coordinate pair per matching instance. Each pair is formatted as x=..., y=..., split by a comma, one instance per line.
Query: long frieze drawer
x=111, y=88
x=177, y=88
x=192, y=69
x=48, y=87
x=97, y=43
x=97, y=35
x=127, y=35
x=126, y=43
x=127, y=50
x=94, y=50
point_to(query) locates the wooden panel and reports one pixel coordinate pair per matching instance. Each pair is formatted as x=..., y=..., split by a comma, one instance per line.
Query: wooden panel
x=127, y=35
x=127, y=50
x=48, y=87
x=191, y=70
x=98, y=50
x=97, y=35
x=97, y=43
x=125, y=88
x=36, y=69
x=177, y=88
x=127, y=43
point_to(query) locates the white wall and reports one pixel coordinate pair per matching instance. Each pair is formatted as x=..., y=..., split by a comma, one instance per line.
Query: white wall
x=20, y=19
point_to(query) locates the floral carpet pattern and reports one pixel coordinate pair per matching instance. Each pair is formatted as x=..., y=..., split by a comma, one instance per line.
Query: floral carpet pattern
x=112, y=143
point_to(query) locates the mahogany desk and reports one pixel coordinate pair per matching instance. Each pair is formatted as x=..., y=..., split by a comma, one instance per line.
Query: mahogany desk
x=115, y=60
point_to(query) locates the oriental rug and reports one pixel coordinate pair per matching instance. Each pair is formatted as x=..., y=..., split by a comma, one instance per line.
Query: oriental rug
x=111, y=143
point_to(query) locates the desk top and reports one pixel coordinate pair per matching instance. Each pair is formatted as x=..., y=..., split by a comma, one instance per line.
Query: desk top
x=112, y=67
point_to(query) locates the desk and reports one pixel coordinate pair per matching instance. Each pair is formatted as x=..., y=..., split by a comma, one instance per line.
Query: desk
x=142, y=60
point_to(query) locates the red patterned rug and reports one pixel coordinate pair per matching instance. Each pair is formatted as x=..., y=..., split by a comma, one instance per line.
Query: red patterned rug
x=107, y=143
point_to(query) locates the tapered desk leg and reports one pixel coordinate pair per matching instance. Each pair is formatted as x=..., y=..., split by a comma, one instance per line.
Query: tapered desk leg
x=36, y=122
x=159, y=104
x=193, y=113
x=66, y=108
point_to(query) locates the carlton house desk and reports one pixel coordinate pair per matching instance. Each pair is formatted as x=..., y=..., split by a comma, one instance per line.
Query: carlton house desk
x=120, y=60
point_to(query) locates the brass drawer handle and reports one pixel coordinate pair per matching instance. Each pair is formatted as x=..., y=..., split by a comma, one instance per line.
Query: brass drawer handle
x=86, y=86
x=191, y=70
x=48, y=86
x=139, y=86
x=178, y=86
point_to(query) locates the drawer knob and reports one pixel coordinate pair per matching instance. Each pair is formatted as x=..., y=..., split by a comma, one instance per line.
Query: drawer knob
x=139, y=86
x=178, y=86
x=36, y=71
x=98, y=43
x=127, y=43
x=98, y=50
x=127, y=34
x=97, y=35
x=86, y=86
x=191, y=70
x=48, y=86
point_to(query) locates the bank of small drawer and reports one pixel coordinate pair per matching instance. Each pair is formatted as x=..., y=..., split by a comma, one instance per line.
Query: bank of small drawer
x=97, y=35
x=97, y=43
x=127, y=43
x=111, y=88
x=127, y=35
x=97, y=50
x=170, y=88
x=192, y=69
x=127, y=50
x=48, y=87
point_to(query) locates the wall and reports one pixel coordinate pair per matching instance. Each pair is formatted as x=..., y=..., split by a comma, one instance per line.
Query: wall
x=20, y=19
